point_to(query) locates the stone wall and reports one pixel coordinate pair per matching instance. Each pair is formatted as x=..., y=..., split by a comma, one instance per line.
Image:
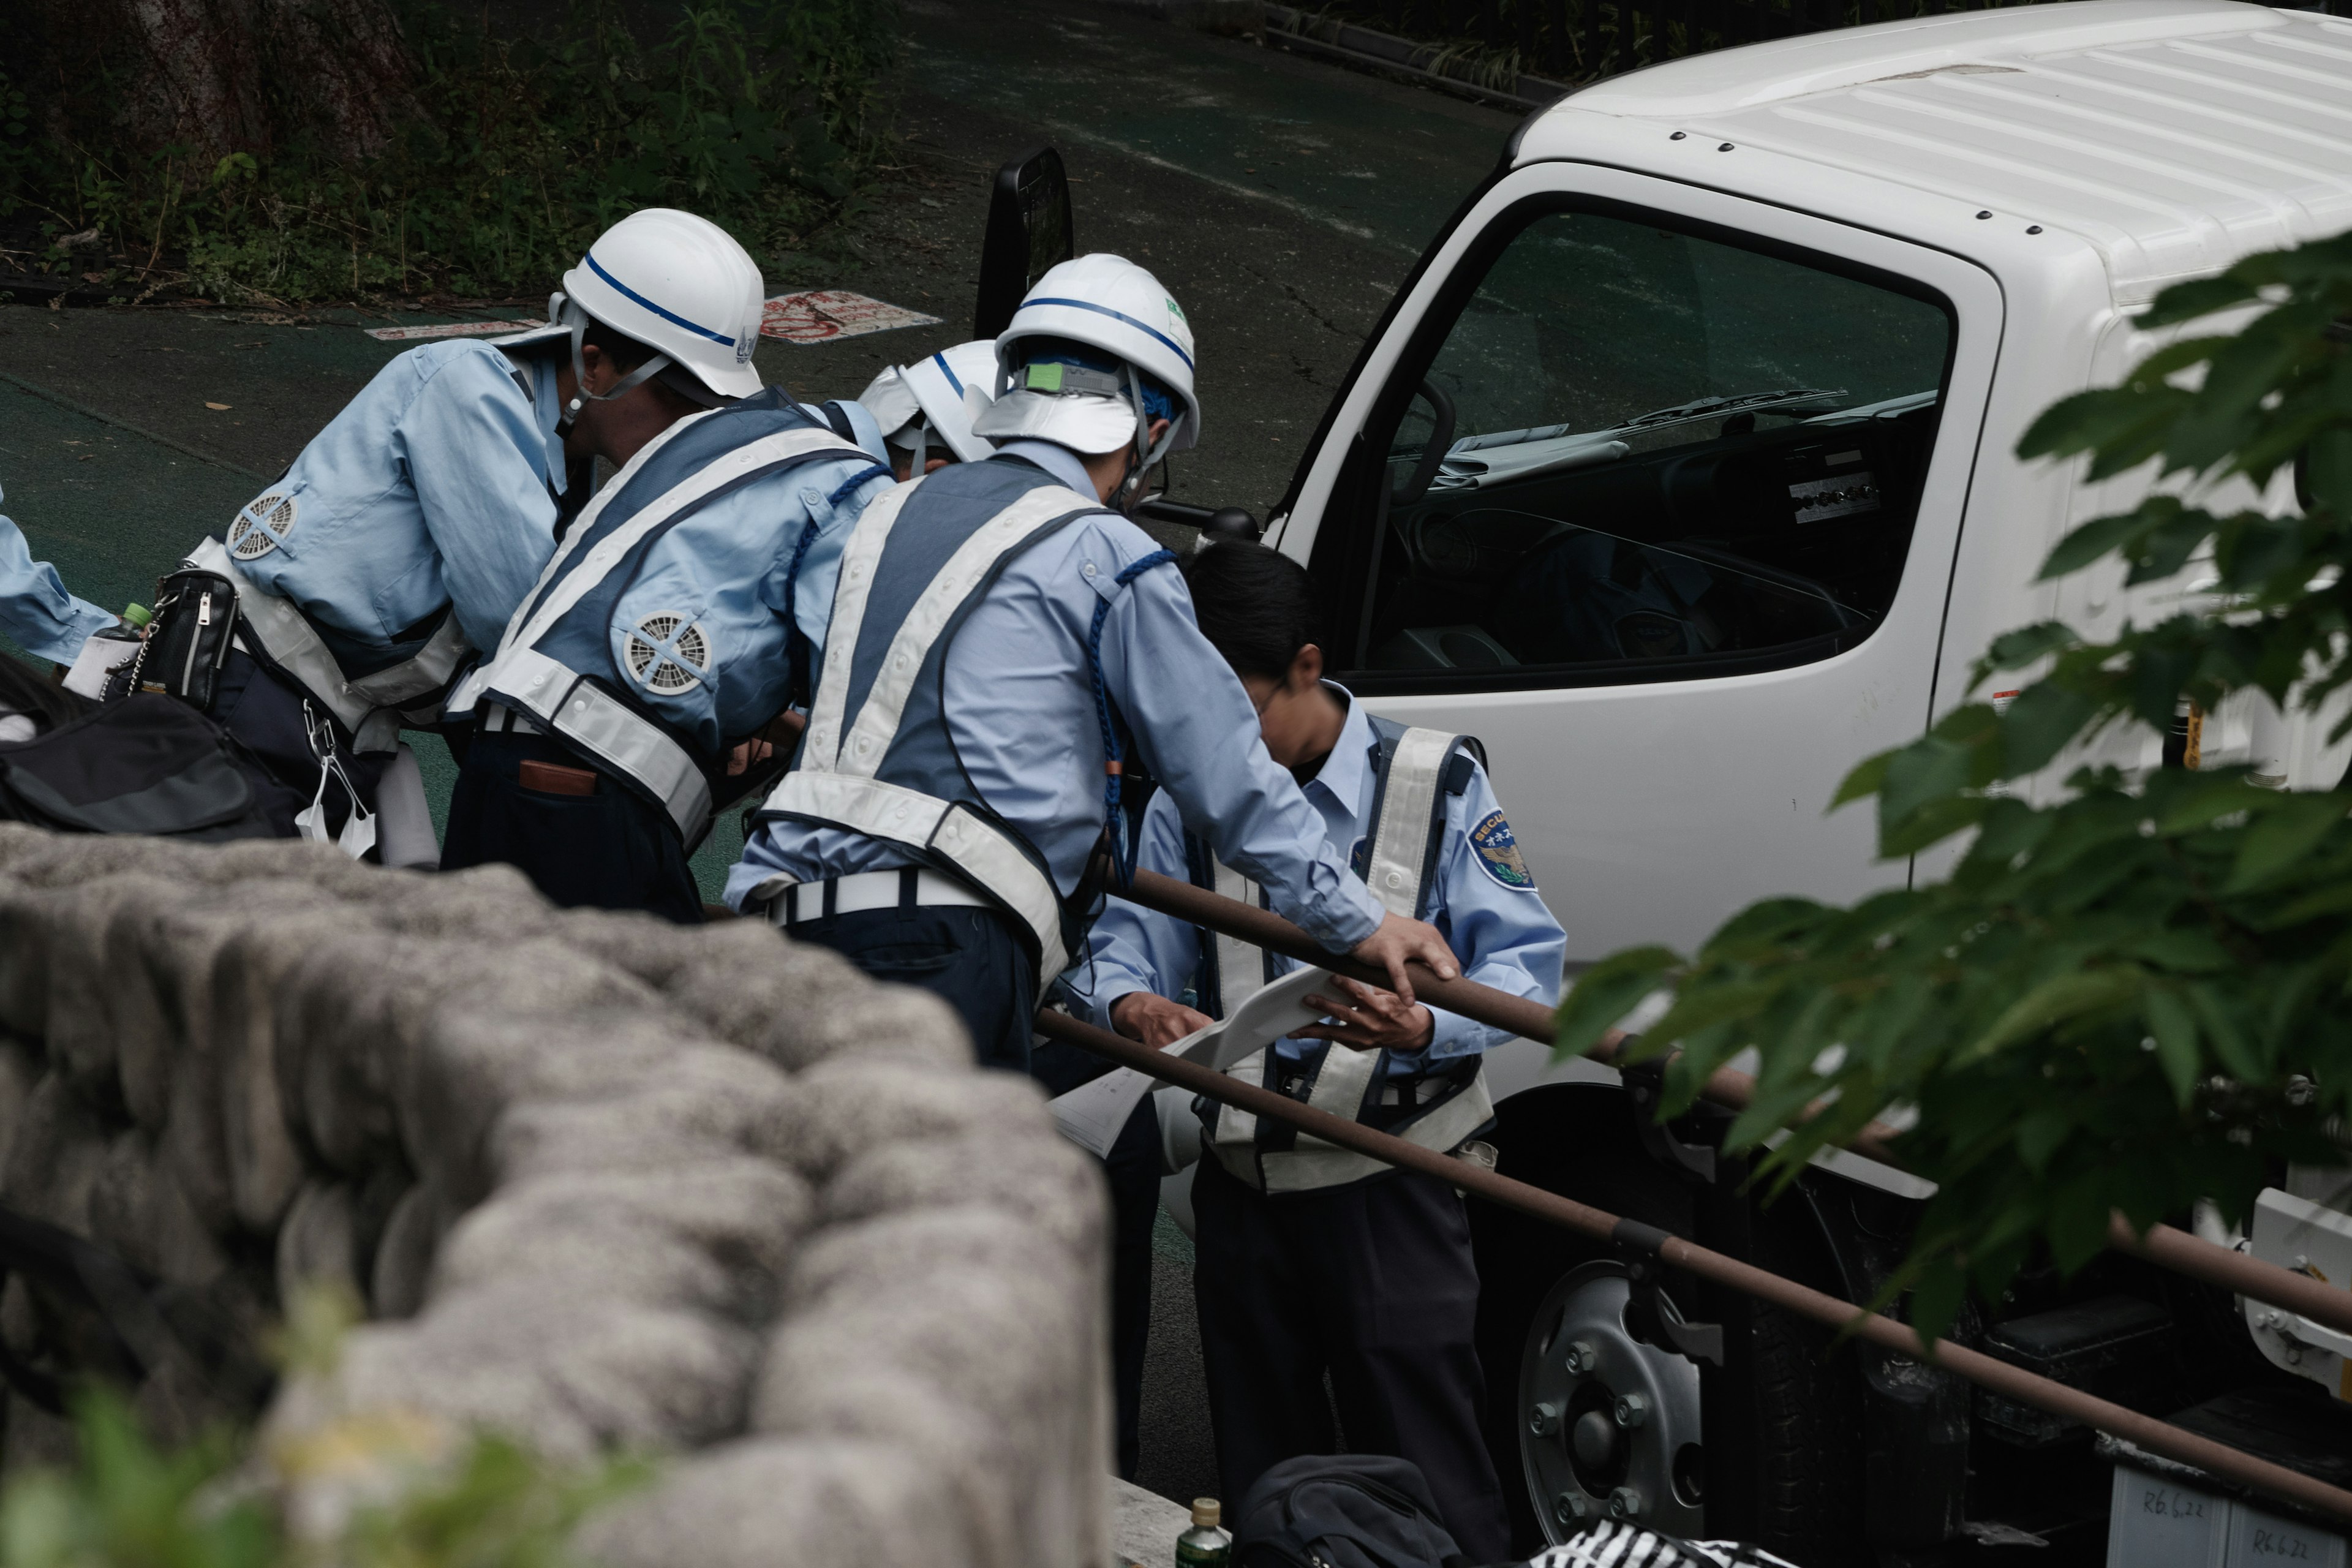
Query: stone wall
x=603, y=1183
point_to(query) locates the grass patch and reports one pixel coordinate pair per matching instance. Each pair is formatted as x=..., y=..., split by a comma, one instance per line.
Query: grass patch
x=762, y=115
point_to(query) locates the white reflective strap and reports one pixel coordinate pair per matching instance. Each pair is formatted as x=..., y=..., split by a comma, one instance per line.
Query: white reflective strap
x=1236, y=1130
x=1401, y=837
x=293, y=644
x=876, y=725
x=715, y=475
x=574, y=536
x=608, y=730
x=1241, y=965
x=820, y=750
x=978, y=848
x=1315, y=1163
x=992, y=860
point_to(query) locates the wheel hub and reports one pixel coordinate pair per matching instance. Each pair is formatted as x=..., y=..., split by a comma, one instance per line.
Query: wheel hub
x=1611, y=1426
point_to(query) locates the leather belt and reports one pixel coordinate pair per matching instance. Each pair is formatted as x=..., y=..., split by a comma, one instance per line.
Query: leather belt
x=907, y=888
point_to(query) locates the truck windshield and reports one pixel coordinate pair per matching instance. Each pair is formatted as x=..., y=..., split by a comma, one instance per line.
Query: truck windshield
x=1657, y=451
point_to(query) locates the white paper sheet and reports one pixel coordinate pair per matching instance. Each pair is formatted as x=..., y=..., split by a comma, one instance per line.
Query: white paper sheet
x=1092, y=1114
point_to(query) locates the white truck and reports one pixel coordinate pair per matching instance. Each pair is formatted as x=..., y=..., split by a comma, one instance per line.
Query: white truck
x=1681, y=471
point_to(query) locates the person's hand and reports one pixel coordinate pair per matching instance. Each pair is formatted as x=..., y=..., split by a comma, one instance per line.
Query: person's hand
x=1155, y=1020
x=1398, y=942
x=741, y=759
x=1366, y=1018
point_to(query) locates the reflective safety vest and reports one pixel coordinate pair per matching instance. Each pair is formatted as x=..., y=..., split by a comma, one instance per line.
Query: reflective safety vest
x=370, y=706
x=877, y=759
x=1416, y=772
x=555, y=664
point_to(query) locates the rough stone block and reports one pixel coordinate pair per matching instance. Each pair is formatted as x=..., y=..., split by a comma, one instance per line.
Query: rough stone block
x=472, y=1066
x=857, y=1104
x=318, y=1247
x=1048, y=1183
x=55, y=1157
x=138, y=1211
x=571, y=1375
x=715, y=1236
x=709, y=1103
x=810, y=1502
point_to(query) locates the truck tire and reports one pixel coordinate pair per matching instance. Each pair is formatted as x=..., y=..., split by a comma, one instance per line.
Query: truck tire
x=1579, y=1141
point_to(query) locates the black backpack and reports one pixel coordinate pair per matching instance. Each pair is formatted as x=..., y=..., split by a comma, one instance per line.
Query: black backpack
x=141, y=764
x=1343, y=1510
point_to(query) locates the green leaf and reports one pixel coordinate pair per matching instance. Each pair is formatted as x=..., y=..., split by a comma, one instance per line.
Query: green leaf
x=2282, y=836
x=2062, y=997
x=2078, y=1221
x=2174, y=1029
x=2038, y=726
x=2038, y=1133
x=1607, y=991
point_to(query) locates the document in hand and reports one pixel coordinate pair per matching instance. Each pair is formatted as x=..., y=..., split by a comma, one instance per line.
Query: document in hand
x=1092, y=1114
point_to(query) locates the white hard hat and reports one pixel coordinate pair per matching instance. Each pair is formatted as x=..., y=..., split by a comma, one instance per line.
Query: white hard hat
x=950, y=390
x=1108, y=304
x=680, y=285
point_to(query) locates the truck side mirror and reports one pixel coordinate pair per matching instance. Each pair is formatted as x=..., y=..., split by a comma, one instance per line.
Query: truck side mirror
x=1029, y=232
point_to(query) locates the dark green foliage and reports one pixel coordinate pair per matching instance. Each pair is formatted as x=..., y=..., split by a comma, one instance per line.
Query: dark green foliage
x=2135, y=997
x=129, y=1504
x=759, y=114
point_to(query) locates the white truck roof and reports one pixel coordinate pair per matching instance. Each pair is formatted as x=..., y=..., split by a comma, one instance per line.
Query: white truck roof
x=2172, y=136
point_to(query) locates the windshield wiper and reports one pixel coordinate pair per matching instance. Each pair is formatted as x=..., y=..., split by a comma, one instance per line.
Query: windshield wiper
x=1717, y=407
x=1656, y=419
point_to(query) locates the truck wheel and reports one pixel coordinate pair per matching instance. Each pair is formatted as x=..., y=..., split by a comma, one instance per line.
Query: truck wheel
x=1558, y=1359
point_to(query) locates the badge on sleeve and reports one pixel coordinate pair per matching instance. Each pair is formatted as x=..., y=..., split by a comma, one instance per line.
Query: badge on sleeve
x=1498, y=854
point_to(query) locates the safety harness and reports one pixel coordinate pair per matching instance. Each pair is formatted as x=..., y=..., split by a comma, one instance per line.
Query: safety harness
x=888, y=770
x=1415, y=773
x=562, y=624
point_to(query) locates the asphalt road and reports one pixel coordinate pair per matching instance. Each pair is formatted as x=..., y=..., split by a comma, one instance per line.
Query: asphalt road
x=1280, y=201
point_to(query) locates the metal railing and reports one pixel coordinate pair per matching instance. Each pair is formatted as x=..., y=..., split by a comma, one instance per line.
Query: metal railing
x=2163, y=1246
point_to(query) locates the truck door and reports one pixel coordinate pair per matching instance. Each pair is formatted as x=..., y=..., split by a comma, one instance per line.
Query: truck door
x=1655, y=490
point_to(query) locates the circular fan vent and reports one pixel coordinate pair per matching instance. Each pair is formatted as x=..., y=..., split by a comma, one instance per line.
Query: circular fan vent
x=261, y=527
x=667, y=653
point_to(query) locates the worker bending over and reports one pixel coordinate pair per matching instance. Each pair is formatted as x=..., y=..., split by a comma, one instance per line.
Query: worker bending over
x=668, y=630
x=1310, y=1259
x=1003, y=644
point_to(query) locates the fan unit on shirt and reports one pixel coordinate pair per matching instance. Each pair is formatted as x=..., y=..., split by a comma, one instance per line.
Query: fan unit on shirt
x=261, y=527
x=667, y=655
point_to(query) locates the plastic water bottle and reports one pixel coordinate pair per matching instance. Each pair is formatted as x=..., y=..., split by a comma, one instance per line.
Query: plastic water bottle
x=1205, y=1545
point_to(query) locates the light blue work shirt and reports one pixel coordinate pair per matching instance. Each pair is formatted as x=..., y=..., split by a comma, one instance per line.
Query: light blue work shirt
x=36, y=608
x=434, y=488
x=724, y=569
x=1485, y=904
x=1021, y=710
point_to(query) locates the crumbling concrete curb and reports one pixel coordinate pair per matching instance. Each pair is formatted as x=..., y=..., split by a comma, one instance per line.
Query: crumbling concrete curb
x=604, y=1183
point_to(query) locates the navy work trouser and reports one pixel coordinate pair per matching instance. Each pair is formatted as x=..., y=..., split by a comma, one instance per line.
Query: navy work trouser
x=265, y=713
x=612, y=850
x=967, y=956
x=1374, y=1283
x=1133, y=1167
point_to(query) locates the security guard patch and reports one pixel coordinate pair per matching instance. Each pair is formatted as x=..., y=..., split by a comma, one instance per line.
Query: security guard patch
x=1498, y=853
x=1359, y=855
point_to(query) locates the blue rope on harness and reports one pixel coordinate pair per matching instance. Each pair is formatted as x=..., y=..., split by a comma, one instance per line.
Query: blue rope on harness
x=1122, y=851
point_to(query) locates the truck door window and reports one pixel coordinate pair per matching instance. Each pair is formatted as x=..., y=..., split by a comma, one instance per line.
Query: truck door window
x=1640, y=454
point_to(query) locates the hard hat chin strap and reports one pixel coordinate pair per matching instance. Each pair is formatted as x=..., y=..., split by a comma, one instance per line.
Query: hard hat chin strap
x=1145, y=455
x=573, y=316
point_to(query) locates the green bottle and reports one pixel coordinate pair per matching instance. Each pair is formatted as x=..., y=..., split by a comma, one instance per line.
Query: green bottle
x=1205, y=1545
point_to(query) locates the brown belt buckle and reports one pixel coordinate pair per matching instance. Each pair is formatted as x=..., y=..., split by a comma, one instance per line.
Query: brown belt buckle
x=554, y=778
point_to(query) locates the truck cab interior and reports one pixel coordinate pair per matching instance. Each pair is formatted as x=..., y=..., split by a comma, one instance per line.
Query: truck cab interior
x=1627, y=452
